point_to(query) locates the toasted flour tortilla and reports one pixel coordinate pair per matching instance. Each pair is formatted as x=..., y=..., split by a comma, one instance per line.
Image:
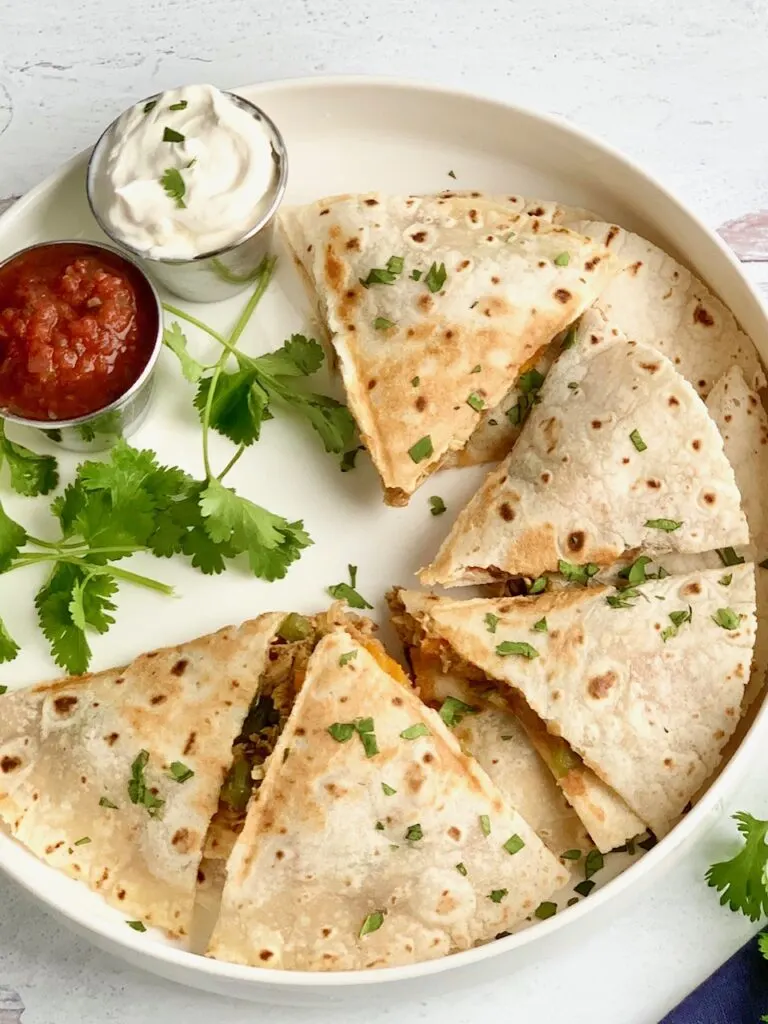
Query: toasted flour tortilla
x=316, y=857
x=743, y=423
x=420, y=365
x=650, y=716
x=618, y=440
x=525, y=761
x=67, y=751
x=497, y=739
x=655, y=301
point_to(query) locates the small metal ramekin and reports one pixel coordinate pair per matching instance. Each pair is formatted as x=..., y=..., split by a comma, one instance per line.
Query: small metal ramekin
x=103, y=427
x=224, y=272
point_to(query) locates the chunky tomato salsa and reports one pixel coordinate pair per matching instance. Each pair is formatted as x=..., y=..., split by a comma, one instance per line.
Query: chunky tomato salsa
x=77, y=327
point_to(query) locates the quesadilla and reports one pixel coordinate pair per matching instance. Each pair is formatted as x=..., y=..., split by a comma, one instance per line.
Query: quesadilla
x=643, y=683
x=618, y=455
x=114, y=777
x=374, y=840
x=526, y=762
x=434, y=304
x=654, y=300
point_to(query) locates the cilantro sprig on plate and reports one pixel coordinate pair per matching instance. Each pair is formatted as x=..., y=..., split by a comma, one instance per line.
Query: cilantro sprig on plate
x=130, y=503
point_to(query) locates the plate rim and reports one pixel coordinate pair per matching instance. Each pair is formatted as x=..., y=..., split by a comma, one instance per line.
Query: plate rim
x=662, y=855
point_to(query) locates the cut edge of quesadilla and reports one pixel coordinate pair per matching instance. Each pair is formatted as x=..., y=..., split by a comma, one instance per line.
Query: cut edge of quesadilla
x=410, y=418
x=587, y=484
x=374, y=840
x=605, y=816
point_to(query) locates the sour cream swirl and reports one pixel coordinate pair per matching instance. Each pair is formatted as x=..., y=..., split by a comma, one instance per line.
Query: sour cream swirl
x=186, y=174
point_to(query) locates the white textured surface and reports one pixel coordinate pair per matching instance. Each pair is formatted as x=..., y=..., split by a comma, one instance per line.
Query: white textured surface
x=681, y=88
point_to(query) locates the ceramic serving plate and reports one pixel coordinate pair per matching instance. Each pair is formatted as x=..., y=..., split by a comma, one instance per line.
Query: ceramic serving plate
x=346, y=135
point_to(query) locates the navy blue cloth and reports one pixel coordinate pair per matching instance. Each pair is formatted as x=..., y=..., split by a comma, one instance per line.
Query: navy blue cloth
x=737, y=993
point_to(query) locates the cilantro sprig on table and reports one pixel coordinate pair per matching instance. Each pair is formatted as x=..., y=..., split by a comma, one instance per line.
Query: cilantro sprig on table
x=742, y=880
x=130, y=503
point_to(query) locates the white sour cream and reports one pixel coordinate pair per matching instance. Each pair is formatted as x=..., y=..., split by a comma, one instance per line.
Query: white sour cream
x=181, y=199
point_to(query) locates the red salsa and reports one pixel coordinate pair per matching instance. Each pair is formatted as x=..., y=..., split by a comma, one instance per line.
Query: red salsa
x=77, y=327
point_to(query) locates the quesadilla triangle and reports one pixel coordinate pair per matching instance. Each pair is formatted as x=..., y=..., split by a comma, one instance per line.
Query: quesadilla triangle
x=643, y=683
x=113, y=778
x=653, y=300
x=374, y=841
x=620, y=454
x=512, y=744
x=434, y=304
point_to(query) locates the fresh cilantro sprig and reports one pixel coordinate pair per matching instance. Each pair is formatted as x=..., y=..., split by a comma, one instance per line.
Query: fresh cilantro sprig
x=130, y=503
x=30, y=474
x=742, y=880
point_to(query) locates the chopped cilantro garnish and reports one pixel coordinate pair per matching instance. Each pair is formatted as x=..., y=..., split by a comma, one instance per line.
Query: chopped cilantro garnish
x=414, y=731
x=595, y=862
x=385, y=275
x=382, y=324
x=545, y=910
x=508, y=647
x=635, y=574
x=485, y=824
x=637, y=441
x=577, y=573
x=150, y=106
x=725, y=581
x=415, y=275
x=421, y=450
x=727, y=618
x=364, y=727
x=387, y=790
x=668, y=525
x=138, y=926
x=497, y=895
x=179, y=772
x=83, y=842
x=435, y=277
x=573, y=385
x=345, y=659
x=563, y=259
x=347, y=591
x=138, y=791
x=476, y=369
x=414, y=833
x=475, y=401
x=678, y=619
x=451, y=174
x=415, y=381
x=514, y=844
x=454, y=710
x=436, y=505
x=623, y=598
x=540, y=626
x=3, y=689
x=729, y=557
x=537, y=586
x=584, y=888
x=491, y=622
x=171, y=135
x=181, y=105
x=372, y=923
x=569, y=340
x=106, y=802
x=571, y=855
x=174, y=186
x=379, y=826
x=342, y=731
x=461, y=869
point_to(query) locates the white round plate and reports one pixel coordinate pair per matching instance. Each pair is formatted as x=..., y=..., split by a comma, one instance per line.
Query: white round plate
x=343, y=135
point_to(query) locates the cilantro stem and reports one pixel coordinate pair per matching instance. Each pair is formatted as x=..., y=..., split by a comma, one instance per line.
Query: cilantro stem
x=96, y=570
x=175, y=311
x=231, y=463
x=267, y=269
x=207, y=414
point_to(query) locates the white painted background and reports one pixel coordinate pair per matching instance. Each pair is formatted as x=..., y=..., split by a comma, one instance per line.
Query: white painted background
x=681, y=87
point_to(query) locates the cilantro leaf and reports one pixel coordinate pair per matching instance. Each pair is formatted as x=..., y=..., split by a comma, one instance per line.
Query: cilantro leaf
x=454, y=710
x=8, y=647
x=69, y=646
x=175, y=340
x=577, y=573
x=331, y=419
x=31, y=474
x=298, y=357
x=270, y=542
x=741, y=880
x=174, y=186
x=239, y=405
x=348, y=593
x=90, y=603
x=12, y=537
